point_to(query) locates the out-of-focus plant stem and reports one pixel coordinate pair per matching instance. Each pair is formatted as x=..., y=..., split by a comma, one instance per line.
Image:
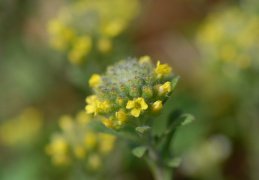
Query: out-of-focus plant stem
x=155, y=162
x=159, y=171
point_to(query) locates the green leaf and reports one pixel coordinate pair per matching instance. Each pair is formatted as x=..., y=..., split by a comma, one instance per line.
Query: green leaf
x=142, y=129
x=175, y=162
x=139, y=151
x=187, y=119
x=174, y=82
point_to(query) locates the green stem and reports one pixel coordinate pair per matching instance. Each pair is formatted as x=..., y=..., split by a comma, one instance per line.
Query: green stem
x=154, y=160
x=159, y=172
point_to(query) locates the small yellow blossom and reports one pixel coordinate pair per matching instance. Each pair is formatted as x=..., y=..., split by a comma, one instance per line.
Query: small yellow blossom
x=94, y=161
x=91, y=107
x=79, y=152
x=164, y=88
x=82, y=118
x=104, y=45
x=157, y=106
x=58, y=149
x=22, y=129
x=58, y=146
x=228, y=53
x=162, y=70
x=55, y=26
x=61, y=36
x=137, y=105
x=121, y=116
x=66, y=123
x=113, y=28
x=145, y=59
x=95, y=80
x=90, y=140
x=81, y=48
x=104, y=106
x=94, y=105
x=106, y=143
x=107, y=122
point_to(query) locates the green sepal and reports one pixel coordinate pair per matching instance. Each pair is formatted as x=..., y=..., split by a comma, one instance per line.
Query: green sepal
x=142, y=129
x=174, y=162
x=139, y=151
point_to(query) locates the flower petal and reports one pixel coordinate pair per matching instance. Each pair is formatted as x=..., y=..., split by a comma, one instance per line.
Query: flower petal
x=143, y=104
x=130, y=104
x=135, y=112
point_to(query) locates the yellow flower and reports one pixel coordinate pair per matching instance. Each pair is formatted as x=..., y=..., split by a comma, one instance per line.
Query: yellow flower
x=22, y=129
x=137, y=105
x=55, y=26
x=165, y=88
x=80, y=49
x=91, y=107
x=79, y=152
x=145, y=59
x=157, y=106
x=66, y=123
x=113, y=28
x=121, y=116
x=95, y=80
x=61, y=36
x=57, y=148
x=104, y=45
x=94, y=105
x=106, y=143
x=90, y=140
x=228, y=53
x=162, y=69
x=82, y=118
x=104, y=106
x=94, y=161
x=107, y=122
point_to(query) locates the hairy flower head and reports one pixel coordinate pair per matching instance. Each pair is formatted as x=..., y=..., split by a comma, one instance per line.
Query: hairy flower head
x=133, y=89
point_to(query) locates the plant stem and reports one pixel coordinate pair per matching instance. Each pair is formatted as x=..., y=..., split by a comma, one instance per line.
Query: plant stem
x=159, y=172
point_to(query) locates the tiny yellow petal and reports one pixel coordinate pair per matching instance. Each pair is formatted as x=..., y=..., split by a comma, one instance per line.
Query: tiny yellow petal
x=143, y=104
x=90, y=140
x=95, y=80
x=162, y=70
x=94, y=161
x=144, y=59
x=107, y=122
x=165, y=88
x=135, y=112
x=104, y=45
x=90, y=109
x=130, y=104
x=79, y=152
x=121, y=116
x=66, y=123
x=157, y=106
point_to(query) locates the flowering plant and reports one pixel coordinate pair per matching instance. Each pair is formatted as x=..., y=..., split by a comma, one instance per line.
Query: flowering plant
x=128, y=99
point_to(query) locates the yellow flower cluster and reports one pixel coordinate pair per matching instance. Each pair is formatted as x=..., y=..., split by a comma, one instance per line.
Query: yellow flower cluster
x=231, y=37
x=128, y=90
x=23, y=129
x=90, y=25
x=78, y=141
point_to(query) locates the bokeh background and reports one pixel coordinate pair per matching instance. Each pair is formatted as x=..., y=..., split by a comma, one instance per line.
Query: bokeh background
x=211, y=44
